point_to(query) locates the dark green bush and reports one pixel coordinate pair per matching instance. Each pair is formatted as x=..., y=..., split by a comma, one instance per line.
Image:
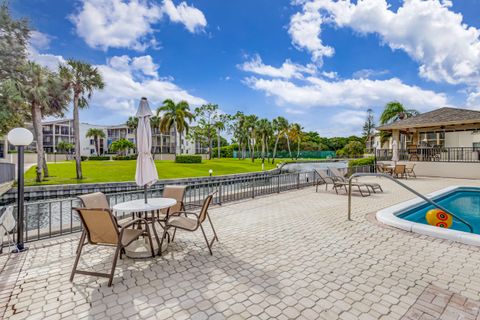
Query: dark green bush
x=361, y=162
x=187, y=158
x=99, y=158
x=129, y=157
x=225, y=152
x=83, y=158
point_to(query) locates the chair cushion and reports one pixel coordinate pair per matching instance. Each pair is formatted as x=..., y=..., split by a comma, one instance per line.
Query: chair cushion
x=130, y=234
x=183, y=222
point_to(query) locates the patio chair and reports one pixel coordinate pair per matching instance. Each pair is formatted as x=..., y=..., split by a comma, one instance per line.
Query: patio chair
x=191, y=221
x=374, y=186
x=101, y=228
x=399, y=171
x=94, y=200
x=338, y=183
x=177, y=193
x=7, y=225
x=409, y=170
x=380, y=168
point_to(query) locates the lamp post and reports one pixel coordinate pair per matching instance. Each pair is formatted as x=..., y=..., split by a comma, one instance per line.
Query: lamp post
x=20, y=137
x=210, y=172
x=375, y=156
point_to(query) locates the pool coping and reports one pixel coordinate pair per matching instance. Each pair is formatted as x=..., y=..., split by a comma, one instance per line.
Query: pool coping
x=389, y=217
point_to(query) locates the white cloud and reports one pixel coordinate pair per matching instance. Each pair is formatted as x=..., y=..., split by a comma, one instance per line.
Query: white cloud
x=349, y=118
x=41, y=41
x=193, y=19
x=369, y=73
x=356, y=93
x=139, y=66
x=116, y=23
x=287, y=70
x=305, y=30
x=107, y=24
x=446, y=49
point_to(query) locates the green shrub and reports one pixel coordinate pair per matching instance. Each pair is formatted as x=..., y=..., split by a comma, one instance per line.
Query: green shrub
x=83, y=158
x=99, y=158
x=187, y=158
x=129, y=157
x=225, y=152
x=361, y=162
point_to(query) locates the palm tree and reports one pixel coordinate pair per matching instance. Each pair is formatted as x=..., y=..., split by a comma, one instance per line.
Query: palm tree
x=64, y=146
x=155, y=125
x=96, y=134
x=82, y=79
x=264, y=129
x=250, y=126
x=121, y=146
x=46, y=95
x=295, y=133
x=280, y=127
x=132, y=124
x=175, y=115
x=396, y=111
x=239, y=132
x=220, y=125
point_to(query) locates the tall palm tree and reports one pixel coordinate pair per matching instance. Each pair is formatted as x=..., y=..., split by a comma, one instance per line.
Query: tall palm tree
x=132, y=124
x=46, y=95
x=396, y=111
x=96, y=134
x=250, y=127
x=239, y=132
x=220, y=125
x=295, y=133
x=176, y=115
x=82, y=79
x=280, y=127
x=264, y=130
x=155, y=125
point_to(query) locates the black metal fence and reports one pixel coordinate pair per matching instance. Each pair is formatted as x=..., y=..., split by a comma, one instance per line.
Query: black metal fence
x=7, y=172
x=51, y=218
x=440, y=154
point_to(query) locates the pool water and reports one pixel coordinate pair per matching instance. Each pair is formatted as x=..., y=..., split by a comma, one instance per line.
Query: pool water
x=463, y=202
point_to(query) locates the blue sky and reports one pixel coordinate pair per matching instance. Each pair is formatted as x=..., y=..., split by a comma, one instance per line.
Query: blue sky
x=321, y=63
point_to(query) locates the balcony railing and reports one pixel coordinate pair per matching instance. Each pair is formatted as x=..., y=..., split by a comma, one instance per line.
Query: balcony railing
x=430, y=154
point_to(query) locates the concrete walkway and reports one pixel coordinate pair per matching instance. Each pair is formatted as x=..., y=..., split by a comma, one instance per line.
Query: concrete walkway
x=286, y=256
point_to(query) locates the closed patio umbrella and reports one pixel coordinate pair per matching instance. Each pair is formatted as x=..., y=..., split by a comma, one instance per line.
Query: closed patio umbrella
x=146, y=173
x=395, y=152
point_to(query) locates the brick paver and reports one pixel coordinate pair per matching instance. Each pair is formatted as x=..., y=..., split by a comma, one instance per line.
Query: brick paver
x=285, y=256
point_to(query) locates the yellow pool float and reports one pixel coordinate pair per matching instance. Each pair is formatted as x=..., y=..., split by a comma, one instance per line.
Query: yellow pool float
x=439, y=218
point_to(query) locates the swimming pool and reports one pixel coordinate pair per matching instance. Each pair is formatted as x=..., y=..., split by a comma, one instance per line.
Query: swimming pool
x=461, y=201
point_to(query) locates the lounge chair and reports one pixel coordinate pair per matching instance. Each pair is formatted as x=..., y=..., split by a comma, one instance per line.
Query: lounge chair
x=336, y=173
x=399, y=171
x=191, y=221
x=338, y=183
x=101, y=228
x=409, y=170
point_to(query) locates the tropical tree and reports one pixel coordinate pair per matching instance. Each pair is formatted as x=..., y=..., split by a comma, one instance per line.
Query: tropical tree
x=176, y=115
x=220, y=125
x=64, y=146
x=96, y=134
x=264, y=130
x=280, y=127
x=368, y=128
x=46, y=95
x=82, y=79
x=121, y=146
x=132, y=124
x=396, y=111
x=206, y=115
x=237, y=127
x=14, y=35
x=250, y=126
x=295, y=134
x=155, y=125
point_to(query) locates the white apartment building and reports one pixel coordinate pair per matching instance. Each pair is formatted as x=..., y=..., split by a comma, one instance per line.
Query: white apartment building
x=62, y=130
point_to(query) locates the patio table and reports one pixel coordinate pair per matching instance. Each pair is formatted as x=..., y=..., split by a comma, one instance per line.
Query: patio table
x=140, y=248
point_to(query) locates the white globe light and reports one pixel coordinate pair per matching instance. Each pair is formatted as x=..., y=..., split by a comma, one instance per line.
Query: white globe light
x=210, y=171
x=20, y=137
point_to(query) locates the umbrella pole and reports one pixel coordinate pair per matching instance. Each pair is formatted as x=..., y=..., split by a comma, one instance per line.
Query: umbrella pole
x=145, y=192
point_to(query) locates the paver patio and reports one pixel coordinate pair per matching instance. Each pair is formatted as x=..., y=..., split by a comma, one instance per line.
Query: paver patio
x=285, y=256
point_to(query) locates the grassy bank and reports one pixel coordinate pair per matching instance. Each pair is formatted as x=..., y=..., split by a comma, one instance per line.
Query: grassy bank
x=118, y=171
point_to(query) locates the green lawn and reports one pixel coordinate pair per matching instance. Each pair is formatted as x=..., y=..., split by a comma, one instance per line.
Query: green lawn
x=117, y=171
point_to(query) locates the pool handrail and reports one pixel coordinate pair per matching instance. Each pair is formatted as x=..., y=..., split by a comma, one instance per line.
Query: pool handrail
x=356, y=175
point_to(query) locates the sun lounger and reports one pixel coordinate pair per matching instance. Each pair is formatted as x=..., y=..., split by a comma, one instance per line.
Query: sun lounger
x=373, y=186
x=337, y=183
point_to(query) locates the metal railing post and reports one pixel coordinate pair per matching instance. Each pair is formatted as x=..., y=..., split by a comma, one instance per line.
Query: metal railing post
x=253, y=187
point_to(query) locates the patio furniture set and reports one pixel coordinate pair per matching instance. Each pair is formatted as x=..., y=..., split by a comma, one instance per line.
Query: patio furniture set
x=338, y=181
x=101, y=226
x=397, y=170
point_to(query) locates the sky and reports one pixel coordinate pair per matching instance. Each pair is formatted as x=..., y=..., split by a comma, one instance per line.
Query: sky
x=321, y=63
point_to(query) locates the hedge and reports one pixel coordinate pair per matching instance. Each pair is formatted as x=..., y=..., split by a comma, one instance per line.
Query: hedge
x=99, y=158
x=225, y=152
x=186, y=158
x=361, y=162
x=129, y=157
